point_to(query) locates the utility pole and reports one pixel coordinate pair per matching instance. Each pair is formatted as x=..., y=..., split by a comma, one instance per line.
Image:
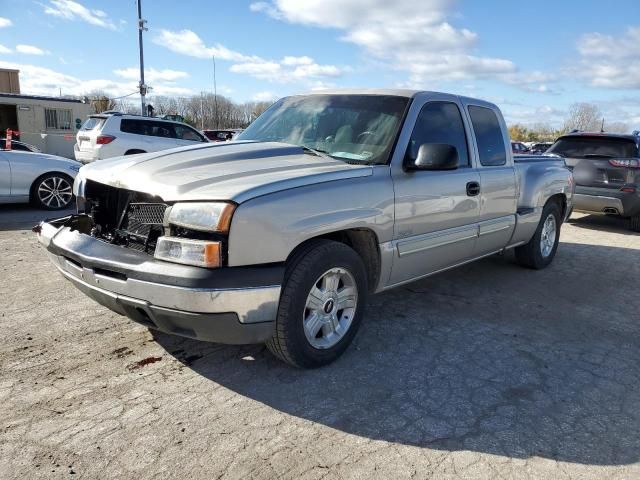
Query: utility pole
x=215, y=92
x=142, y=86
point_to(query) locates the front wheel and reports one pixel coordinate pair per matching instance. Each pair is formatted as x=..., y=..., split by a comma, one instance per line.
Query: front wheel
x=541, y=249
x=52, y=191
x=321, y=306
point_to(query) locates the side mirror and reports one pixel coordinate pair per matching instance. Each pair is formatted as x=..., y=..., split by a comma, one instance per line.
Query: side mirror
x=434, y=156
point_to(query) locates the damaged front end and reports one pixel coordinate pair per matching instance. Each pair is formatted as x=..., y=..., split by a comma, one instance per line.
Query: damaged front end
x=116, y=216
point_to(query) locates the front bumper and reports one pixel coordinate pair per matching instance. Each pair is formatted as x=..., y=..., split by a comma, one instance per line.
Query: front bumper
x=227, y=305
x=607, y=201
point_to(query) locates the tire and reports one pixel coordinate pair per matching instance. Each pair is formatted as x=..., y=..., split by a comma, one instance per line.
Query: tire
x=52, y=191
x=634, y=223
x=317, y=269
x=538, y=254
x=134, y=152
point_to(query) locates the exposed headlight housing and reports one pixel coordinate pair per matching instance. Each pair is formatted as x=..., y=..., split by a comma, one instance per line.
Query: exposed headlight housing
x=201, y=253
x=204, y=217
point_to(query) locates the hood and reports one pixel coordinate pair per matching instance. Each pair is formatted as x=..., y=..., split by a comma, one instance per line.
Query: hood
x=235, y=171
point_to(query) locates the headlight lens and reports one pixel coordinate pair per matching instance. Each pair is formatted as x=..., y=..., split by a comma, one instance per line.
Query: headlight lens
x=200, y=253
x=207, y=217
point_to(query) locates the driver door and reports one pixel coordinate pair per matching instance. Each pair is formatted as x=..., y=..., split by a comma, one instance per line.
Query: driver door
x=437, y=212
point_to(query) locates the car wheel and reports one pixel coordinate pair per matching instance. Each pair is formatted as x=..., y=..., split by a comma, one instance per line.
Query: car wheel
x=634, y=223
x=321, y=305
x=134, y=152
x=53, y=191
x=541, y=249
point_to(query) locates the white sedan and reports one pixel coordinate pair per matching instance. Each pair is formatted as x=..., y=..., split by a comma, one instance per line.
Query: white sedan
x=44, y=180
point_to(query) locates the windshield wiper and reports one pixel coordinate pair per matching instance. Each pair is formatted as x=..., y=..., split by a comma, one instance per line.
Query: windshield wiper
x=597, y=155
x=316, y=152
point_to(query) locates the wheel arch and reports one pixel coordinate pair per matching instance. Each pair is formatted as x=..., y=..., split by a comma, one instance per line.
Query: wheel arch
x=363, y=241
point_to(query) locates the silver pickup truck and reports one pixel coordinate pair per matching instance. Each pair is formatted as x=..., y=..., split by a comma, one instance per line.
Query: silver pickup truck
x=279, y=237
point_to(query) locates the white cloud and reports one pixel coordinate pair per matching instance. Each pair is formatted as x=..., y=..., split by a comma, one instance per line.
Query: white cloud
x=264, y=97
x=288, y=60
x=417, y=40
x=31, y=50
x=187, y=42
x=151, y=74
x=70, y=10
x=37, y=80
x=289, y=69
x=609, y=62
x=5, y=22
x=4, y=49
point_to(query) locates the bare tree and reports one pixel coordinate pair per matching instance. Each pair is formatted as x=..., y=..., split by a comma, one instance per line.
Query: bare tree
x=583, y=116
x=100, y=102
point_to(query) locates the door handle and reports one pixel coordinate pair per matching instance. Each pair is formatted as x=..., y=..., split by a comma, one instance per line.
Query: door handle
x=473, y=189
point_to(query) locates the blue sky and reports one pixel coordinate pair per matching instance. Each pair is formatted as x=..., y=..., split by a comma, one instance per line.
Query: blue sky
x=534, y=59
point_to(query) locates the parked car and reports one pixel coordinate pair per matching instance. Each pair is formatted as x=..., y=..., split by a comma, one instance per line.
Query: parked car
x=221, y=135
x=115, y=134
x=519, y=148
x=539, y=148
x=18, y=146
x=44, y=180
x=606, y=168
x=282, y=238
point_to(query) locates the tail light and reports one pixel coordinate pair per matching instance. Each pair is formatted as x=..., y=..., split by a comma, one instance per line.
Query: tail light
x=104, y=139
x=625, y=162
x=628, y=189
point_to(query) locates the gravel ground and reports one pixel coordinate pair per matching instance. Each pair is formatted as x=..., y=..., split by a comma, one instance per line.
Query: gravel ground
x=487, y=371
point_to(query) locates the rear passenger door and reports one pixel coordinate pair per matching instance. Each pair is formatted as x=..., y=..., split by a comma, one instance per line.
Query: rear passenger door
x=436, y=212
x=498, y=190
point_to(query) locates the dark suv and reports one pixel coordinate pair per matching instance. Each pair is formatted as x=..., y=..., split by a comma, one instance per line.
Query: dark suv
x=606, y=169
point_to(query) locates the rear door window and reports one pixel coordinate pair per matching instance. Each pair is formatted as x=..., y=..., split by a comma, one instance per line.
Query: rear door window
x=594, y=147
x=489, y=137
x=160, y=129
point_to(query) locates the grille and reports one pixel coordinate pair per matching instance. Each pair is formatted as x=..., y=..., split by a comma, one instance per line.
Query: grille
x=141, y=217
x=142, y=225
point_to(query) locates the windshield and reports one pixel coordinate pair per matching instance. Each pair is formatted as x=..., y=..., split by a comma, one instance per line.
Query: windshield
x=585, y=147
x=353, y=128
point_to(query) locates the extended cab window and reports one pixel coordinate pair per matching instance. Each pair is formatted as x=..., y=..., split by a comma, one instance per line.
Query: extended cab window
x=488, y=136
x=440, y=122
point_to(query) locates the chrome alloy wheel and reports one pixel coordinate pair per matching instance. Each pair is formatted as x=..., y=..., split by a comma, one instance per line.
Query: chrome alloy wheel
x=330, y=308
x=55, y=192
x=548, y=237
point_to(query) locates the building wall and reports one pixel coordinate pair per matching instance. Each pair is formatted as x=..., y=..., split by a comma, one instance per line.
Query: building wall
x=33, y=127
x=9, y=81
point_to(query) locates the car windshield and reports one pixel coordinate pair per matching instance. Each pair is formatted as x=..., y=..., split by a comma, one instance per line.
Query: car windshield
x=353, y=128
x=586, y=147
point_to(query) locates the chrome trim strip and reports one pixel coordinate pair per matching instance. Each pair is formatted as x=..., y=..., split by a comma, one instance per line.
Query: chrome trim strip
x=252, y=305
x=389, y=287
x=497, y=225
x=435, y=240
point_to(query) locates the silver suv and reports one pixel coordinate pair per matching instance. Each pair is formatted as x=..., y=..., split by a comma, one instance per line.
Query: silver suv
x=110, y=134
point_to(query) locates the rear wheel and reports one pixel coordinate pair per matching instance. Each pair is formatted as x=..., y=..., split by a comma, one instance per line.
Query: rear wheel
x=134, y=152
x=634, y=223
x=52, y=191
x=541, y=249
x=321, y=306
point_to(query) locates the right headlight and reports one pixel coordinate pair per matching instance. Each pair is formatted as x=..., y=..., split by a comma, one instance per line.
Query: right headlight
x=204, y=217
